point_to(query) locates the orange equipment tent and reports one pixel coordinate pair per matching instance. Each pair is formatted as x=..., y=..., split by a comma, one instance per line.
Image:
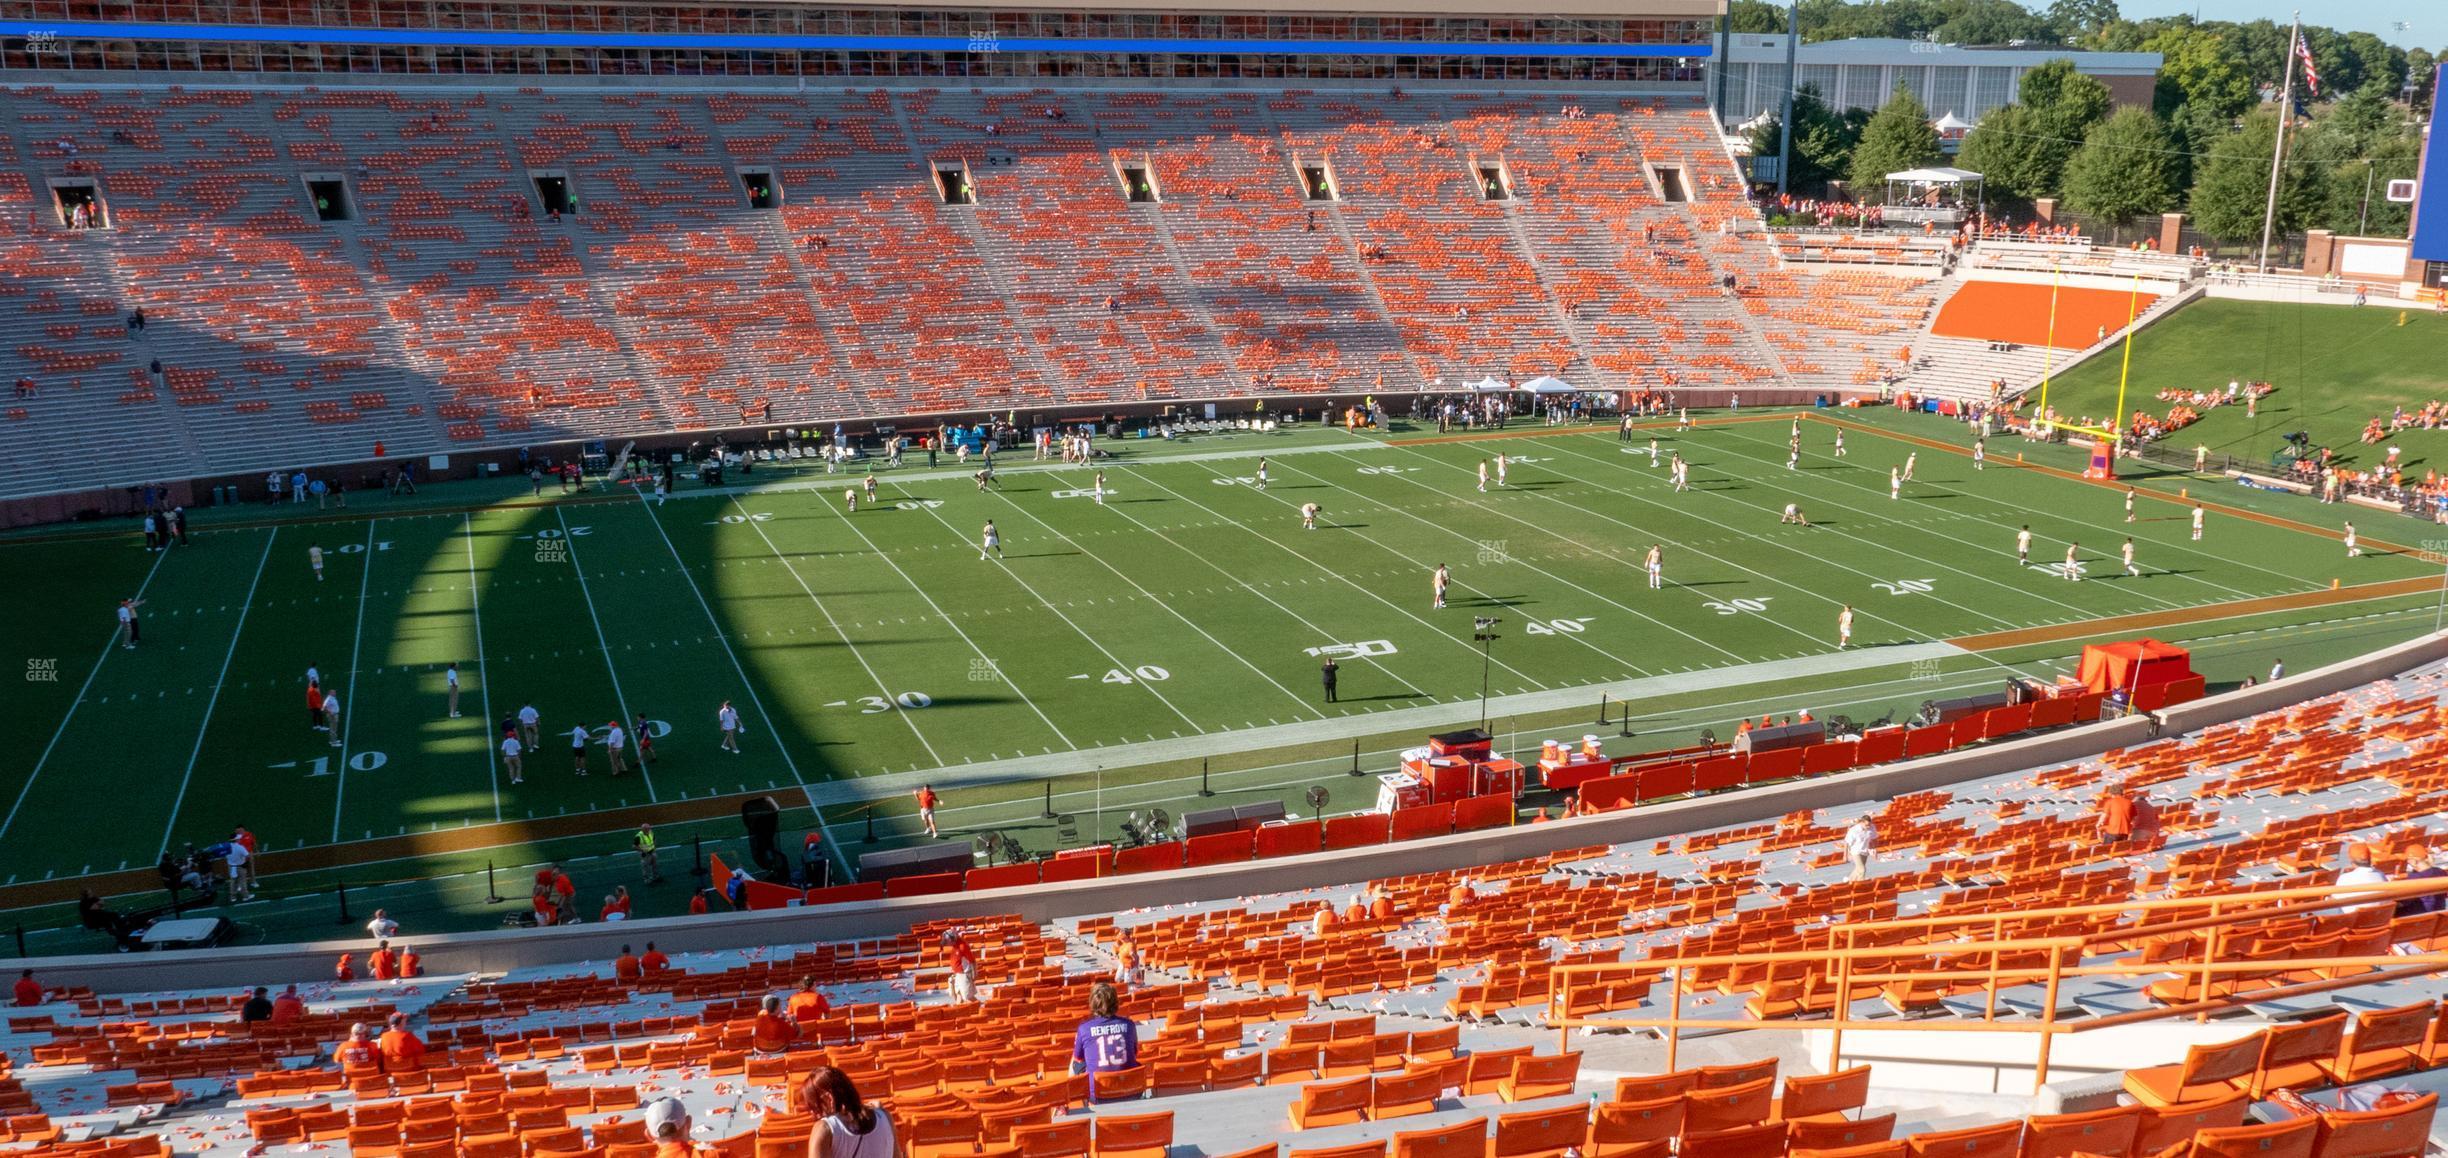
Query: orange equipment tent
x=2133, y=664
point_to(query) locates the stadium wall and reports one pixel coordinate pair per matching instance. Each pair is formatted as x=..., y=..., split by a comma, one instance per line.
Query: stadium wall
x=365, y=473
x=510, y=949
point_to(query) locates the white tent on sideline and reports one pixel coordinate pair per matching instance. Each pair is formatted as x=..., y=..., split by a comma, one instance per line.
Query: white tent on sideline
x=1548, y=384
x=1489, y=385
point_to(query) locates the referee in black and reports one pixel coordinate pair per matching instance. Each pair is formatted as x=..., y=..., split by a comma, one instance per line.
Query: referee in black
x=1326, y=675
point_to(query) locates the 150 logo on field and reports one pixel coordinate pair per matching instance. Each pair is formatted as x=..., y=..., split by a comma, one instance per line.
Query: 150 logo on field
x=1366, y=649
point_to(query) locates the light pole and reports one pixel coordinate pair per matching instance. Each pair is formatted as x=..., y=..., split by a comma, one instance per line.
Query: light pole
x=1483, y=633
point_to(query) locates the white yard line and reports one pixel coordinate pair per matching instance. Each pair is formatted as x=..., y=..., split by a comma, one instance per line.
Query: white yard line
x=484, y=686
x=1338, y=577
x=746, y=684
x=109, y=645
x=950, y=622
x=835, y=624
x=1148, y=686
x=348, y=708
x=1304, y=705
x=219, y=681
x=610, y=666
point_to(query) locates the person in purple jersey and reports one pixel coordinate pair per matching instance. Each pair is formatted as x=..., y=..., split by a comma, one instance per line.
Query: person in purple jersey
x=1106, y=1041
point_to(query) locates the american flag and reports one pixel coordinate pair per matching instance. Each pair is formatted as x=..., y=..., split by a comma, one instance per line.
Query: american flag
x=2303, y=52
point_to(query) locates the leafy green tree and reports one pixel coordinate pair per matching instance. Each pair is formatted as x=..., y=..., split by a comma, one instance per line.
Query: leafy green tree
x=2231, y=186
x=2081, y=20
x=1898, y=137
x=1823, y=141
x=2194, y=131
x=1756, y=16
x=2422, y=68
x=2121, y=171
x=2200, y=67
x=1994, y=22
x=2021, y=150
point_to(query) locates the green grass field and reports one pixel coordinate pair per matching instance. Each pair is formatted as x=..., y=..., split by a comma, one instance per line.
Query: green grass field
x=2336, y=368
x=1114, y=653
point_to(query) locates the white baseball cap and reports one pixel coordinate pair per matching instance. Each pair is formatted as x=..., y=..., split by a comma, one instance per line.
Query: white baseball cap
x=662, y=1114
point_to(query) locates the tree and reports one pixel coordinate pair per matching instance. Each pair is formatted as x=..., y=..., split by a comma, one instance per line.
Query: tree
x=2021, y=150
x=2121, y=171
x=2230, y=191
x=2081, y=20
x=1755, y=16
x=2194, y=130
x=2200, y=67
x=2422, y=68
x=1898, y=137
x=1993, y=22
x=1823, y=142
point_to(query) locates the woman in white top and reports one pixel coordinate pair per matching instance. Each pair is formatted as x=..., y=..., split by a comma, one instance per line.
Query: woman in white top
x=847, y=1127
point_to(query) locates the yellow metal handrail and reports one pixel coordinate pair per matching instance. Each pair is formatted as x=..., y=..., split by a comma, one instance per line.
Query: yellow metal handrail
x=2226, y=914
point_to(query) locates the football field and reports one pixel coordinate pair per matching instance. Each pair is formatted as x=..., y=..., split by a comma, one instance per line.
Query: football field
x=1112, y=647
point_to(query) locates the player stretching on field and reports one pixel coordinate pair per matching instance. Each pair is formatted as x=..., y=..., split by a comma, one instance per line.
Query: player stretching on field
x=1844, y=628
x=2073, y=563
x=1840, y=450
x=1656, y=566
x=1309, y=514
x=1436, y=587
x=1483, y=476
x=1909, y=460
x=1793, y=514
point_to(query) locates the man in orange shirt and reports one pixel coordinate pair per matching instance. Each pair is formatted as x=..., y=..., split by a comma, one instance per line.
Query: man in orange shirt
x=288, y=1007
x=773, y=1032
x=654, y=961
x=809, y=1003
x=28, y=990
x=411, y=965
x=402, y=1052
x=357, y=1055
x=2116, y=816
x=382, y=963
x=625, y=967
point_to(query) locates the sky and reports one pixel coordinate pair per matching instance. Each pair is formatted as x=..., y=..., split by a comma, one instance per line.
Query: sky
x=2429, y=18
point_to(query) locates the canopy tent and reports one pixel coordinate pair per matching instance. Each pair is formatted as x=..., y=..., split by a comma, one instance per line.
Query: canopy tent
x=1488, y=385
x=1935, y=187
x=1548, y=384
x=2133, y=664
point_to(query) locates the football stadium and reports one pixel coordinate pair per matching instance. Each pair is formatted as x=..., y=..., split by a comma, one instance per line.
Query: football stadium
x=1692, y=579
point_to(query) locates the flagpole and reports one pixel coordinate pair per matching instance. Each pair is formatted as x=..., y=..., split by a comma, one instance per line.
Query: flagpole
x=2286, y=105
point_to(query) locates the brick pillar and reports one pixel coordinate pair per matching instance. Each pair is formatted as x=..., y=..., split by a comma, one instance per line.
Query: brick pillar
x=2319, y=252
x=2171, y=232
x=2046, y=209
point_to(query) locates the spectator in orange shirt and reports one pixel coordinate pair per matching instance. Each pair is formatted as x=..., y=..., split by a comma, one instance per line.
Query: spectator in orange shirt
x=288, y=1007
x=358, y=1055
x=1355, y=912
x=402, y=1052
x=2116, y=816
x=1455, y=896
x=28, y=990
x=697, y=903
x=1382, y=908
x=626, y=968
x=411, y=965
x=344, y=970
x=1321, y=920
x=809, y=1003
x=382, y=963
x=654, y=961
x=773, y=1032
